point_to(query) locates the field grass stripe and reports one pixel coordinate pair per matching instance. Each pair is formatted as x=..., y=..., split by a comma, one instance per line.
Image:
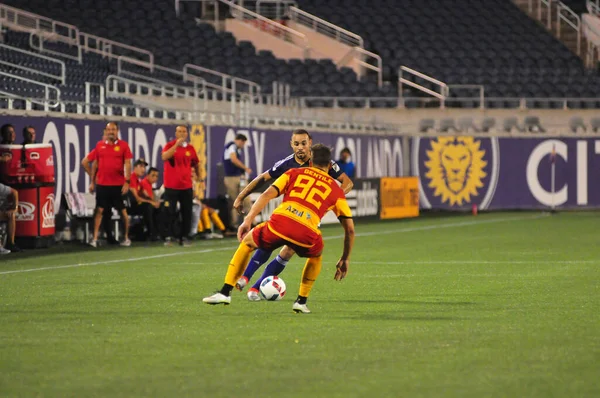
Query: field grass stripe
x=376, y=233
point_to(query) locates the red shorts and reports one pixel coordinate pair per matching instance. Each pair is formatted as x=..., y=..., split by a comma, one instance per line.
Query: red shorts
x=268, y=239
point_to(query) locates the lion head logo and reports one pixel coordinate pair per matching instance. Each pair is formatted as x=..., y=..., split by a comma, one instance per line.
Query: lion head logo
x=455, y=168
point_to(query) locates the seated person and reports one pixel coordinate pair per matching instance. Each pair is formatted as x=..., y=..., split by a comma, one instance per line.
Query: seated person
x=142, y=203
x=9, y=202
x=203, y=214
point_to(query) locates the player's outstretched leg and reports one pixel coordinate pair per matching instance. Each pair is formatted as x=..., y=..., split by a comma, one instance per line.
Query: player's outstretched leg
x=311, y=272
x=258, y=259
x=275, y=267
x=234, y=271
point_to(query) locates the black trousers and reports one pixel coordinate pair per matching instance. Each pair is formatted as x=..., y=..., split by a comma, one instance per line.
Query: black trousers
x=147, y=211
x=185, y=199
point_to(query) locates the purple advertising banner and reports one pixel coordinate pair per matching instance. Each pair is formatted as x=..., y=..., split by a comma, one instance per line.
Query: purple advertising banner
x=73, y=139
x=374, y=156
x=507, y=173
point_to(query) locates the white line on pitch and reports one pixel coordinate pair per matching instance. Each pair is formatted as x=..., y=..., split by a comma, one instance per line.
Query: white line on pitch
x=467, y=262
x=392, y=231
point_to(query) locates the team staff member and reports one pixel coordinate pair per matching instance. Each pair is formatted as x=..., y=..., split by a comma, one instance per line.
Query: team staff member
x=86, y=163
x=234, y=169
x=179, y=158
x=112, y=162
x=141, y=203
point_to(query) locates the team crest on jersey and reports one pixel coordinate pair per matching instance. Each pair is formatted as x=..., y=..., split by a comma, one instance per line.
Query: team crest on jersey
x=166, y=203
x=457, y=171
x=188, y=153
x=117, y=149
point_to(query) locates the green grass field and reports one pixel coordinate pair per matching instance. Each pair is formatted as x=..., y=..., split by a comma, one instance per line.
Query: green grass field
x=498, y=305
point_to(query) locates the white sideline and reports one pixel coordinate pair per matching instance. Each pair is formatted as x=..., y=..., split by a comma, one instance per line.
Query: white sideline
x=392, y=231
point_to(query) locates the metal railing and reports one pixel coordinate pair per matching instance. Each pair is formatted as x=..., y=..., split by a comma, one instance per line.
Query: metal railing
x=227, y=83
x=325, y=28
x=26, y=21
x=405, y=70
x=39, y=45
x=364, y=58
x=567, y=15
x=51, y=98
x=548, y=5
x=113, y=49
x=267, y=25
x=593, y=41
x=593, y=7
x=119, y=86
x=61, y=77
x=273, y=9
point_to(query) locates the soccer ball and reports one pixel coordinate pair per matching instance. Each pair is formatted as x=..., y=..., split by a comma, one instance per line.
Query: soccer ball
x=272, y=288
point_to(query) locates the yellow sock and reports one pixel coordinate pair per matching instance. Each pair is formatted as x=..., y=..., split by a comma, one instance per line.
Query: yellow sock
x=311, y=271
x=238, y=264
x=205, y=219
x=214, y=216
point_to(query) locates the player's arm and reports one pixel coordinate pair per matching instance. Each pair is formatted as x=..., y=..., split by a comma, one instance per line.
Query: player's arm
x=238, y=203
x=257, y=207
x=341, y=268
x=236, y=161
x=344, y=214
x=347, y=183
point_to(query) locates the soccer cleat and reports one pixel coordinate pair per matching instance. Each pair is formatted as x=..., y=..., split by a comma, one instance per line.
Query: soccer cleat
x=300, y=308
x=241, y=283
x=253, y=295
x=168, y=242
x=93, y=243
x=126, y=243
x=217, y=298
x=4, y=251
x=216, y=235
x=185, y=242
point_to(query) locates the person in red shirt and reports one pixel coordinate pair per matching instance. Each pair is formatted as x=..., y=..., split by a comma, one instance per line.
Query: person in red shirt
x=179, y=158
x=86, y=163
x=111, y=163
x=141, y=200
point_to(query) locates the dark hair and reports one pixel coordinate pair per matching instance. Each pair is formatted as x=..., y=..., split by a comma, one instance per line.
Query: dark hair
x=152, y=169
x=241, y=137
x=4, y=133
x=346, y=150
x=321, y=155
x=27, y=138
x=302, y=131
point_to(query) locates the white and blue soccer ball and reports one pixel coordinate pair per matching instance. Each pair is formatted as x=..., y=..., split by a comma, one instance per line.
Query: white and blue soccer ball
x=272, y=288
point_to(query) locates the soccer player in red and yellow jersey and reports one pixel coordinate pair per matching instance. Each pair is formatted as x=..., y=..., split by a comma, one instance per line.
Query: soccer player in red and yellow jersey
x=309, y=193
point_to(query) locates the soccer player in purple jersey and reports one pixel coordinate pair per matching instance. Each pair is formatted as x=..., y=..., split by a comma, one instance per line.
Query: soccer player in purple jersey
x=301, y=144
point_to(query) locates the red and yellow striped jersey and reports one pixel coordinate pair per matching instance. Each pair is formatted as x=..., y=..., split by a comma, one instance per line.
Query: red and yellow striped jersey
x=308, y=194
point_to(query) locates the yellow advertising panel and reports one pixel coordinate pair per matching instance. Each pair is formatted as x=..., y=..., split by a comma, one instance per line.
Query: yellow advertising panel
x=399, y=197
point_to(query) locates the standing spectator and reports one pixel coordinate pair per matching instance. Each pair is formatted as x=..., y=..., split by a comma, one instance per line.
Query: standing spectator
x=234, y=170
x=179, y=158
x=7, y=134
x=346, y=163
x=8, y=211
x=28, y=135
x=112, y=162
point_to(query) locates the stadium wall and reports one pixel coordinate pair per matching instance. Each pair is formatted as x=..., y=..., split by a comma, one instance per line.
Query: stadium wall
x=454, y=173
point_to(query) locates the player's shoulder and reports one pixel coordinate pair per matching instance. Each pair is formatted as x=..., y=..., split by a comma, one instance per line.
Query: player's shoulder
x=283, y=164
